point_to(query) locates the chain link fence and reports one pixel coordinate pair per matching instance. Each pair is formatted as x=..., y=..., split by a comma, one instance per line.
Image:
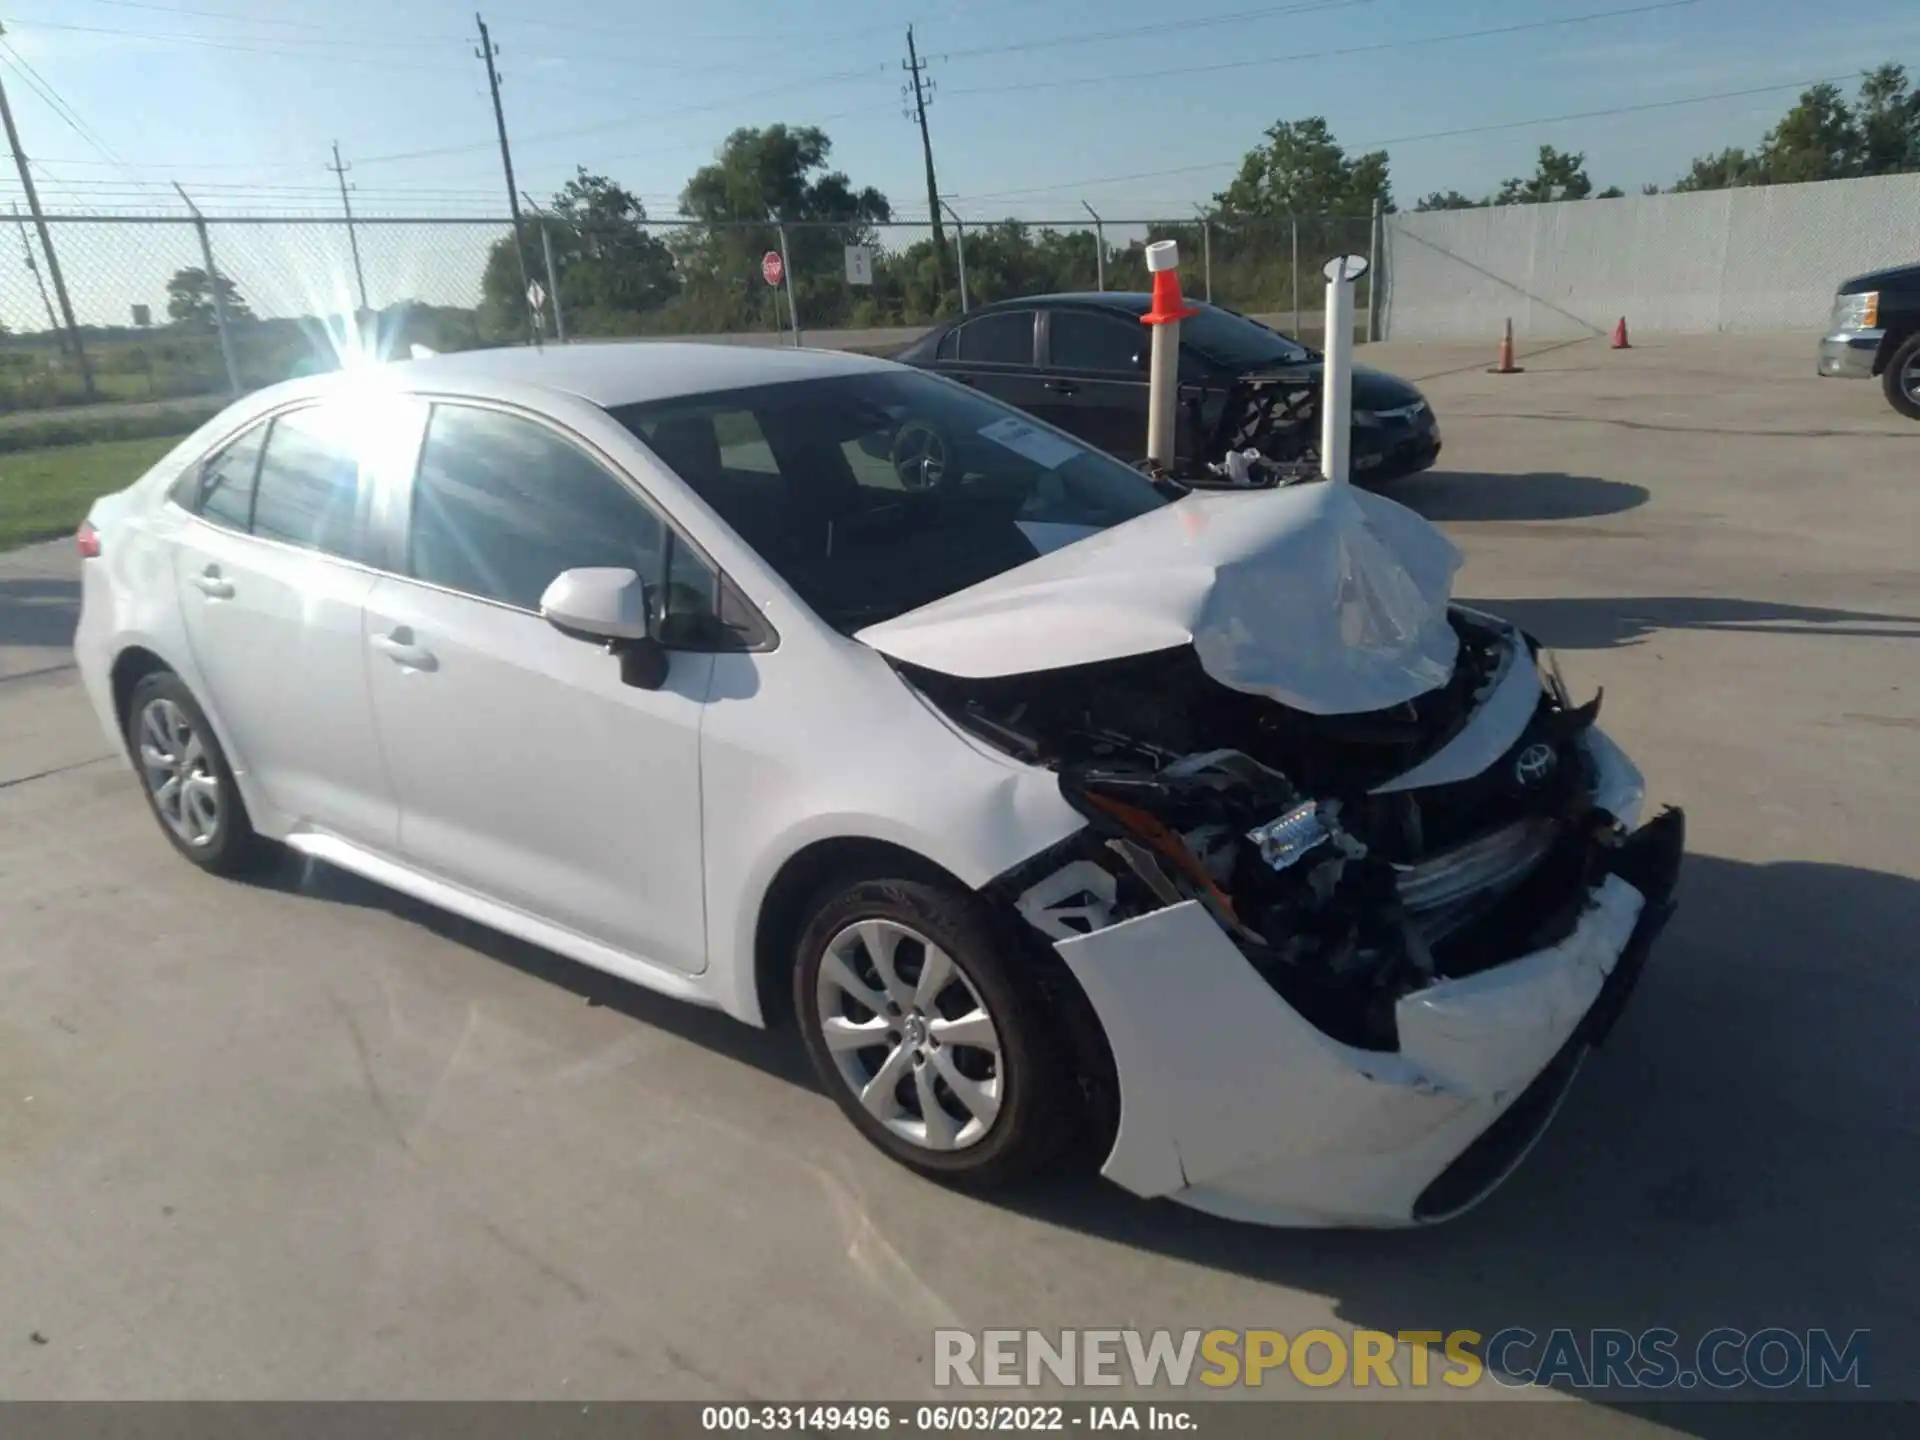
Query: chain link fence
x=170, y=310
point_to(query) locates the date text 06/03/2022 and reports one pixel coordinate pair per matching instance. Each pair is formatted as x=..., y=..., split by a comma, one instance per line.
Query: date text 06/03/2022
x=944, y=1419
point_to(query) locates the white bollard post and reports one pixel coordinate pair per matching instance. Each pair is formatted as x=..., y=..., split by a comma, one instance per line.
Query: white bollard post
x=1163, y=369
x=1336, y=399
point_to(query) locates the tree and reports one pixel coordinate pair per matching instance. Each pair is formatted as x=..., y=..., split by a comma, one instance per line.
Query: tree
x=1888, y=117
x=1301, y=170
x=611, y=267
x=190, y=298
x=1731, y=167
x=1448, y=200
x=760, y=179
x=1816, y=140
x=1559, y=175
x=1612, y=192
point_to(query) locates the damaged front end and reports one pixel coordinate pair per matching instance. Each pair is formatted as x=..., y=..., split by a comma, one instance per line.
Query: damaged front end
x=1336, y=955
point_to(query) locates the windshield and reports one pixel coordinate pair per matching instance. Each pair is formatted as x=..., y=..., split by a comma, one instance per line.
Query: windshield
x=1238, y=343
x=874, y=494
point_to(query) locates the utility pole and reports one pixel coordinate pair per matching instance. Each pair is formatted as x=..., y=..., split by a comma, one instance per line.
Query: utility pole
x=921, y=90
x=33, y=268
x=353, y=240
x=486, y=52
x=46, y=240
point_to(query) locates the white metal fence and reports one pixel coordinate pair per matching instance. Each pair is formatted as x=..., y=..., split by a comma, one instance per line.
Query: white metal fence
x=1751, y=259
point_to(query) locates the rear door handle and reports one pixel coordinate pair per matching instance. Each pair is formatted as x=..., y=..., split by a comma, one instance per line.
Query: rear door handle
x=210, y=583
x=1063, y=387
x=398, y=646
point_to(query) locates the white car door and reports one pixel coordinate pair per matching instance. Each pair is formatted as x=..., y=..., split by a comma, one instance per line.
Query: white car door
x=271, y=588
x=526, y=770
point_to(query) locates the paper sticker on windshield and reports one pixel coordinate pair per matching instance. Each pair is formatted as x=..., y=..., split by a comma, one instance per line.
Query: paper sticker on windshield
x=1023, y=439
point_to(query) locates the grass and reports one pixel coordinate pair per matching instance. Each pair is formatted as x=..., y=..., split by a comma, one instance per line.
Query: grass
x=45, y=493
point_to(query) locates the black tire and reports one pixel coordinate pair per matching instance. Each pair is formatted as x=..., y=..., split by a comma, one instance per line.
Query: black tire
x=1037, y=1096
x=229, y=846
x=1903, y=370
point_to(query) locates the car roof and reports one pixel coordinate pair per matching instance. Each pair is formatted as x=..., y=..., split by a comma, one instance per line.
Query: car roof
x=1126, y=302
x=629, y=372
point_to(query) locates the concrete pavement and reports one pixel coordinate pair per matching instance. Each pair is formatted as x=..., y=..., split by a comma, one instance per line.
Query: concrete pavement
x=308, y=1139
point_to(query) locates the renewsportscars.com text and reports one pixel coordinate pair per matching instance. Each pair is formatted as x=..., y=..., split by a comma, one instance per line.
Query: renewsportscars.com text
x=1609, y=1359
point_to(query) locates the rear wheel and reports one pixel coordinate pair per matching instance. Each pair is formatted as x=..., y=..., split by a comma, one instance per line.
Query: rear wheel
x=929, y=1035
x=188, y=783
x=1901, y=378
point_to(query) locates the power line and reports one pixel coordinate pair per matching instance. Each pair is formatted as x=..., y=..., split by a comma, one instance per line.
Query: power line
x=1374, y=48
x=1610, y=111
x=226, y=15
x=1196, y=22
x=571, y=132
x=349, y=40
x=43, y=88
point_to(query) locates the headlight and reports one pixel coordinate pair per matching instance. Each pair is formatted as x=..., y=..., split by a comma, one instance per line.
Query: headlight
x=1365, y=420
x=1856, y=312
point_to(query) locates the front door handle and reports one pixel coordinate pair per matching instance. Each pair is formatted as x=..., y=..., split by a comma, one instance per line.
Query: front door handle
x=1063, y=387
x=398, y=646
x=210, y=583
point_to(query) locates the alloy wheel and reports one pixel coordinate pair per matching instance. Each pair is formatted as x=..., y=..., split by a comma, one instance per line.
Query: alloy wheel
x=179, y=773
x=910, y=1035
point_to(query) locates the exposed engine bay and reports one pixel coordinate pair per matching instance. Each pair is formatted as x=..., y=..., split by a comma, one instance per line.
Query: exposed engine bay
x=1344, y=891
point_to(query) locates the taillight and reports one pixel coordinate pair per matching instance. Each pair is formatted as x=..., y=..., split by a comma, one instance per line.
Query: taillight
x=87, y=539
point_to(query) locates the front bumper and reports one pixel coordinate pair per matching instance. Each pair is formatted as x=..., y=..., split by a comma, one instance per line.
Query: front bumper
x=1383, y=454
x=1232, y=1103
x=1849, y=354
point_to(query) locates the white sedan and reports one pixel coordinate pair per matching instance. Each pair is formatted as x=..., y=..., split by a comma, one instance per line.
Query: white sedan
x=1050, y=802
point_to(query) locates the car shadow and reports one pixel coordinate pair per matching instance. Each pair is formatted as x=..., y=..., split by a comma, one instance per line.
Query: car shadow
x=38, y=612
x=1738, y=1154
x=1550, y=495
x=1610, y=621
x=777, y=1054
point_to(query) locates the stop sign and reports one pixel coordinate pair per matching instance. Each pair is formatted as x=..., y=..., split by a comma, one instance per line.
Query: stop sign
x=771, y=269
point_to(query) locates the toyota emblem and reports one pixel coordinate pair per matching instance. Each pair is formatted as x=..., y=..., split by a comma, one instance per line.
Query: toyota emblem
x=1535, y=764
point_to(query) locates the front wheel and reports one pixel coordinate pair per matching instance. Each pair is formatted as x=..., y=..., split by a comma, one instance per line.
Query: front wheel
x=929, y=1035
x=1901, y=378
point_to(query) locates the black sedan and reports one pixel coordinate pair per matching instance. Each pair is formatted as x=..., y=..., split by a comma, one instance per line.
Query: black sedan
x=1080, y=362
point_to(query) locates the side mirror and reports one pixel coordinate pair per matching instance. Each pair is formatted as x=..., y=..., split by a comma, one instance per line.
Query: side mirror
x=614, y=607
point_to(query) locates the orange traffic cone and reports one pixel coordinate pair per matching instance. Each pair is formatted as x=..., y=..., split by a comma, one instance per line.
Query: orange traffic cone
x=1620, y=334
x=1506, y=365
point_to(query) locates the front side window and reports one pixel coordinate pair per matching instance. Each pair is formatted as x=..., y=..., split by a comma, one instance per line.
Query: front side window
x=889, y=489
x=502, y=505
x=1005, y=338
x=308, y=491
x=1080, y=341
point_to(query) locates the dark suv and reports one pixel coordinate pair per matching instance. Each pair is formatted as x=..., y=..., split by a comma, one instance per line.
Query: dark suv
x=1080, y=362
x=1875, y=330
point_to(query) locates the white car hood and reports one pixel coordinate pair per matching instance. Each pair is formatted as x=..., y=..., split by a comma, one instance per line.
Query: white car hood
x=1325, y=598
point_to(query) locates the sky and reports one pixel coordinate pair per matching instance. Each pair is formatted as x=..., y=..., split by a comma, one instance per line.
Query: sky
x=1039, y=107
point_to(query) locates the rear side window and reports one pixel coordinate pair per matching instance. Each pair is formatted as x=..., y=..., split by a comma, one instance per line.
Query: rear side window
x=1003, y=339
x=308, y=492
x=222, y=489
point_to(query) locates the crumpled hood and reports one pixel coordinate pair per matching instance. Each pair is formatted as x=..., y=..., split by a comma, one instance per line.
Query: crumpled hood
x=1323, y=597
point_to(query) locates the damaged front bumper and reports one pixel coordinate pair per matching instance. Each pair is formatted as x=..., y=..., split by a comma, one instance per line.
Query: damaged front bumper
x=1233, y=1103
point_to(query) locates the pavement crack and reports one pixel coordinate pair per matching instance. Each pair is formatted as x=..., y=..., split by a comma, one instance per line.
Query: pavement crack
x=56, y=770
